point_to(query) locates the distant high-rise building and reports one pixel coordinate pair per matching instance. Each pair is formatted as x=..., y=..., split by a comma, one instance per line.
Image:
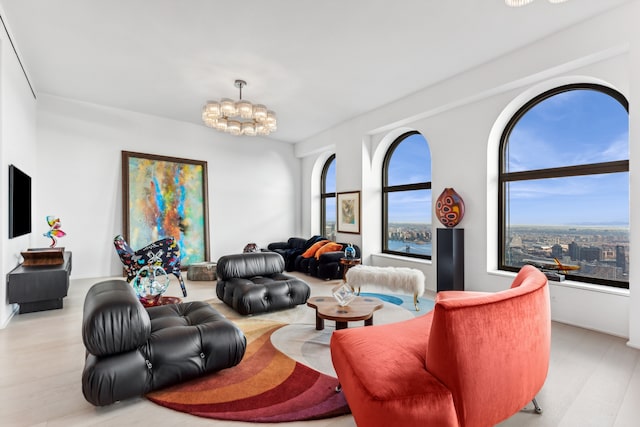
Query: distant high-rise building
x=590, y=253
x=556, y=251
x=516, y=242
x=621, y=259
x=574, y=251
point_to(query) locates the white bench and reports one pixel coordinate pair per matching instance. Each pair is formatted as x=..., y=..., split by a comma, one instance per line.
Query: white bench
x=408, y=280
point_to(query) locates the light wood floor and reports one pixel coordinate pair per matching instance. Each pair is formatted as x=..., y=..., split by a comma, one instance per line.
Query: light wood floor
x=594, y=379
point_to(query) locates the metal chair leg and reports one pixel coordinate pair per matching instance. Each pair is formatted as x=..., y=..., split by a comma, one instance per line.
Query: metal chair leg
x=537, y=407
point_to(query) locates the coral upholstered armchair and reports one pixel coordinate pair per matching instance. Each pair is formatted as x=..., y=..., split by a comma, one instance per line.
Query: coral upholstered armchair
x=475, y=360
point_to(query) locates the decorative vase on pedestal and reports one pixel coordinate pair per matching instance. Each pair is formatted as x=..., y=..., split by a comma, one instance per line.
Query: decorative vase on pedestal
x=449, y=208
x=450, y=242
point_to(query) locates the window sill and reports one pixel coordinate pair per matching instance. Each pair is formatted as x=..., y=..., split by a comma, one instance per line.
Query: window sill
x=571, y=284
x=403, y=258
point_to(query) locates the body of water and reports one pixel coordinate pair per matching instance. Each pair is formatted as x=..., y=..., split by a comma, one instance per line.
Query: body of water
x=410, y=247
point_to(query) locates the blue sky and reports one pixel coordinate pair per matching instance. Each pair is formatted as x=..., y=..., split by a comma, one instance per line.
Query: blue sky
x=575, y=127
x=330, y=187
x=571, y=128
x=330, y=183
x=410, y=163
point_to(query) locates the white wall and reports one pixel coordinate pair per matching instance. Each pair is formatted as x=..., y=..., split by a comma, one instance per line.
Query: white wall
x=18, y=147
x=254, y=183
x=261, y=190
x=462, y=118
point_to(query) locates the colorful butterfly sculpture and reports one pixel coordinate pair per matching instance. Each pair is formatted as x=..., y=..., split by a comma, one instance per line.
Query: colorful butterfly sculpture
x=55, y=231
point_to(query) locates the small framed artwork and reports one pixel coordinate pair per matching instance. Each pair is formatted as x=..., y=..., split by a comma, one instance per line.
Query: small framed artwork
x=166, y=197
x=349, y=212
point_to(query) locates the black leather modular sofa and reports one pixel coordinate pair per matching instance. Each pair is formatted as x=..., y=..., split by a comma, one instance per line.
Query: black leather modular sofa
x=132, y=350
x=254, y=282
x=326, y=266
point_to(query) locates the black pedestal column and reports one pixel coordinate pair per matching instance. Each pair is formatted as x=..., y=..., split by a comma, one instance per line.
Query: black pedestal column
x=450, y=259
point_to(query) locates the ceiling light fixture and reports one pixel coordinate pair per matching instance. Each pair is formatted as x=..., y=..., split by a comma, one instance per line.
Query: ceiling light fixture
x=239, y=118
x=518, y=3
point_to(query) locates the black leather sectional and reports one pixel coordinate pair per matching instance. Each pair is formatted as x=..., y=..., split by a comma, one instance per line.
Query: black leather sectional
x=326, y=267
x=132, y=350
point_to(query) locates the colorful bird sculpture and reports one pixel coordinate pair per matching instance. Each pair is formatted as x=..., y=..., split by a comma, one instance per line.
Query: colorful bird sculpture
x=55, y=231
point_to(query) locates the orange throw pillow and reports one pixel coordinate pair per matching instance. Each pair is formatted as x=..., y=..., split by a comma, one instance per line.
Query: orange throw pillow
x=312, y=250
x=329, y=247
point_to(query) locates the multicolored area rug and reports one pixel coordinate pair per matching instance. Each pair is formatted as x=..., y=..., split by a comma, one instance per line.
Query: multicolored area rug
x=267, y=386
x=405, y=301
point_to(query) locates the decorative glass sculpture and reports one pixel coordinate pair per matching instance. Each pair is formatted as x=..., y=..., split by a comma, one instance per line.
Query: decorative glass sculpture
x=343, y=294
x=349, y=252
x=55, y=232
x=449, y=208
x=150, y=283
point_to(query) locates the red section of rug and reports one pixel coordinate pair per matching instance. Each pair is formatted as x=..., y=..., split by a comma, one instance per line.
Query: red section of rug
x=267, y=386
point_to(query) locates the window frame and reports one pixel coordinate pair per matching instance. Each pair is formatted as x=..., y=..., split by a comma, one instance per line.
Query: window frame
x=386, y=189
x=550, y=173
x=324, y=195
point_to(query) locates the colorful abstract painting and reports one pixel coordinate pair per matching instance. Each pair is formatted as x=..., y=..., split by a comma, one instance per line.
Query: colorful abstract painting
x=166, y=197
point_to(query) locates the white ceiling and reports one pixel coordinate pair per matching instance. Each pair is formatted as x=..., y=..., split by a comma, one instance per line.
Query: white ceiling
x=316, y=63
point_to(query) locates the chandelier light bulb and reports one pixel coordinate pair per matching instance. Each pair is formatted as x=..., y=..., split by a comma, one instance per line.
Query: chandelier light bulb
x=227, y=107
x=518, y=3
x=221, y=124
x=234, y=127
x=244, y=109
x=248, y=128
x=239, y=118
x=213, y=109
x=261, y=129
x=259, y=112
x=271, y=117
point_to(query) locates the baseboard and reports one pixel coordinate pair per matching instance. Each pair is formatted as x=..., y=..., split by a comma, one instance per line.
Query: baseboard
x=633, y=344
x=13, y=312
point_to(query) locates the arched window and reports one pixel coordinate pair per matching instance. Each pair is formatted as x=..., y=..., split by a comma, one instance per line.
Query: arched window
x=406, y=201
x=328, y=199
x=564, y=186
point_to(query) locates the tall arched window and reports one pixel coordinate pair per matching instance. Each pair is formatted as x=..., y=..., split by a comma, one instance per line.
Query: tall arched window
x=564, y=186
x=328, y=199
x=406, y=201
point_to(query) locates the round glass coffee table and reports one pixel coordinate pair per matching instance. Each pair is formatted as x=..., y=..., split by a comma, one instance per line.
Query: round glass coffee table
x=361, y=308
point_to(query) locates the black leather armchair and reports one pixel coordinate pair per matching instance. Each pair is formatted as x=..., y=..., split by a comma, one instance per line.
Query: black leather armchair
x=252, y=283
x=132, y=350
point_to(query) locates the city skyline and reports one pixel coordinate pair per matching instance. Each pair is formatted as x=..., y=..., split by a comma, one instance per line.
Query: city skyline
x=601, y=253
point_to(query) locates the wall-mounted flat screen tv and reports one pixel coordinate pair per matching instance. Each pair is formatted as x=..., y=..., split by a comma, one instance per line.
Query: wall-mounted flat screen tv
x=19, y=202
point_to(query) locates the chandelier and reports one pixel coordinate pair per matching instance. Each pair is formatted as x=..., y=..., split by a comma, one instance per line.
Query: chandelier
x=518, y=3
x=239, y=117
